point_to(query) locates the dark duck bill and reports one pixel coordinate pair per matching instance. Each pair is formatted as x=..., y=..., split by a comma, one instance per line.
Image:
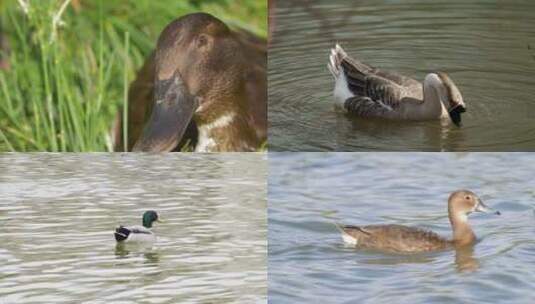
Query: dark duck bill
x=455, y=115
x=172, y=112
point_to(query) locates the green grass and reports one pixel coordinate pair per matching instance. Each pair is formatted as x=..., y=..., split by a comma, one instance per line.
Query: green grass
x=68, y=79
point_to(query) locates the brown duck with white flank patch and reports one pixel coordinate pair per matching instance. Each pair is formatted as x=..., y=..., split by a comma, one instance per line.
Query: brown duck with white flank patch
x=204, y=85
x=365, y=91
x=403, y=239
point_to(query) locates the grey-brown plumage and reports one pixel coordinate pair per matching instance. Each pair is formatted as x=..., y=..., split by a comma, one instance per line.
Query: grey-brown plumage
x=379, y=86
x=367, y=91
x=404, y=239
x=396, y=238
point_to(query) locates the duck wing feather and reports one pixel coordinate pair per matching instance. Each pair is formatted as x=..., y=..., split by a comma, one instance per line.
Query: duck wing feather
x=375, y=90
x=396, y=238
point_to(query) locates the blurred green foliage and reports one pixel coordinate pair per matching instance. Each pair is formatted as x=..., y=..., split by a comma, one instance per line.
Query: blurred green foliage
x=69, y=68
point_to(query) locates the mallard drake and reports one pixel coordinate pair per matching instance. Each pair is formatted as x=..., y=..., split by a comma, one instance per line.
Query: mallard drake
x=138, y=234
x=363, y=90
x=403, y=239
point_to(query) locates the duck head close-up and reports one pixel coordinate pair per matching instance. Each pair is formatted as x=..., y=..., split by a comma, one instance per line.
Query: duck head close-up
x=209, y=86
x=460, y=205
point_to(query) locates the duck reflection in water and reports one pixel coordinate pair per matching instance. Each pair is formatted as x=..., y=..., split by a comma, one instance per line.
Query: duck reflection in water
x=464, y=259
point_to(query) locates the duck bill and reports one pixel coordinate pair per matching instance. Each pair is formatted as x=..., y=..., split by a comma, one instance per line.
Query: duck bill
x=172, y=112
x=481, y=207
x=455, y=114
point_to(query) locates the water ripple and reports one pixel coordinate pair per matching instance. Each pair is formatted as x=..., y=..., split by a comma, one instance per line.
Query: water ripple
x=309, y=192
x=58, y=212
x=483, y=46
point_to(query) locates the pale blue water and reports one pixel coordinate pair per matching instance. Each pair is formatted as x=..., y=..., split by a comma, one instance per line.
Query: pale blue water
x=58, y=213
x=308, y=262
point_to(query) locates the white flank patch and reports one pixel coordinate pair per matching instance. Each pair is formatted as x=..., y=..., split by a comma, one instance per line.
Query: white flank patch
x=341, y=90
x=147, y=237
x=349, y=240
x=206, y=142
x=141, y=238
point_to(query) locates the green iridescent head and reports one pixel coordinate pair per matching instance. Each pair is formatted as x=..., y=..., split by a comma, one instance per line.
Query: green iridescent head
x=149, y=217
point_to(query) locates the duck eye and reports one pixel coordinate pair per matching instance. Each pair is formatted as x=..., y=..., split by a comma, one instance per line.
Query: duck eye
x=467, y=197
x=202, y=40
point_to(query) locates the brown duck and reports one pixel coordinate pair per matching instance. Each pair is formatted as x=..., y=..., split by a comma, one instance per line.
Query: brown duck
x=365, y=91
x=403, y=239
x=205, y=85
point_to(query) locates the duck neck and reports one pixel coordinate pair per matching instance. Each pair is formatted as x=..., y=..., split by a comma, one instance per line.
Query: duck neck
x=147, y=223
x=433, y=91
x=462, y=232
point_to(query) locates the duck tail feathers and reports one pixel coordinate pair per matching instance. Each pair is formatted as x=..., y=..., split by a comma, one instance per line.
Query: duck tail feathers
x=345, y=228
x=346, y=236
x=340, y=227
x=121, y=233
x=335, y=60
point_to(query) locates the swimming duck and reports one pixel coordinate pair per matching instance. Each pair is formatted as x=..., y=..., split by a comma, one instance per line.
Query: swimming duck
x=138, y=234
x=403, y=239
x=205, y=85
x=365, y=91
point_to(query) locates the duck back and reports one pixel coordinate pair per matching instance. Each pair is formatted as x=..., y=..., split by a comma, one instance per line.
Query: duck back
x=394, y=238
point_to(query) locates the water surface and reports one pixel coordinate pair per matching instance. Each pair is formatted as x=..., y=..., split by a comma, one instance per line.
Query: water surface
x=482, y=45
x=309, y=192
x=58, y=213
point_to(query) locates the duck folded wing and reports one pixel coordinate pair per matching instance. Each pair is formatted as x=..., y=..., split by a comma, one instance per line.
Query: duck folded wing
x=140, y=230
x=365, y=80
x=391, y=90
x=121, y=233
x=400, y=232
x=396, y=238
x=359, y=74
x=378, y=96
